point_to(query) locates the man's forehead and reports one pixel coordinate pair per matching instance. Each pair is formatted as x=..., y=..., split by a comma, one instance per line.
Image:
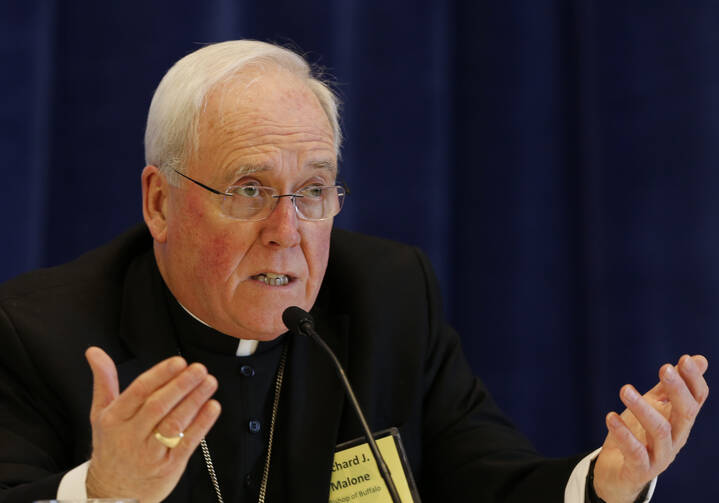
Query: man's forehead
x=256, y=117
x=253, y=84
x=262, y=95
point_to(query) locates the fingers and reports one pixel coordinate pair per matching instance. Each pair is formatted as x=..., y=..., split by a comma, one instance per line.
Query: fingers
x=105, y=387
x=137, y=393
x=684, y=406
x=692, y=371
x=665, y=414
x=171, y=397
x=692, y=374
x=658, y=430
x=179, y=419
x=646, y=438
x=687, y=391
x=701, y=362
x=198, y=429
x=657, y=393
x=164, y=399
x=634, y=451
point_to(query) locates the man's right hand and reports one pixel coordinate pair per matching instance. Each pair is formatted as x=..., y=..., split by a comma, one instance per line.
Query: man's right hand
x=170, y=398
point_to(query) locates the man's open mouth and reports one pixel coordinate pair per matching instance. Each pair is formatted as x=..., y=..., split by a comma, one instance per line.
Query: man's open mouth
x=272, y=279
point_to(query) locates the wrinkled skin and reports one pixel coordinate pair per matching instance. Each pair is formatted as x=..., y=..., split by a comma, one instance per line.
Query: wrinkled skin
x=646, y=438
x=264, y=127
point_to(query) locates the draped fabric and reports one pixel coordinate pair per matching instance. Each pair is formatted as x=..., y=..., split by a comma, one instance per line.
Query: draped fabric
x=555, y=159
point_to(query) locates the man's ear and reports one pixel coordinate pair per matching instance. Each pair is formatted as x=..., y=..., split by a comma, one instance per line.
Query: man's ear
x=155, y=192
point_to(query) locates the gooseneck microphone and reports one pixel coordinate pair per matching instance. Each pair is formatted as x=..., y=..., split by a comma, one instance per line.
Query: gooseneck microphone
x=300, y=322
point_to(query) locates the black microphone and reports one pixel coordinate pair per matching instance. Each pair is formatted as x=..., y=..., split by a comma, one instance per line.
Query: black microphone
x=300, y=322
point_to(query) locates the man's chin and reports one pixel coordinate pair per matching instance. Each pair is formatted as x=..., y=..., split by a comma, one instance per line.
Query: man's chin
x=260, y=330
x=264, y=322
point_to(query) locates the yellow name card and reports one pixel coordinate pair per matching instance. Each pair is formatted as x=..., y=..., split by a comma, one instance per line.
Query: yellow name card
x=356, y=478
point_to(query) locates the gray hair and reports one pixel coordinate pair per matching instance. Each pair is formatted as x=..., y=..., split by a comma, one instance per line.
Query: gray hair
x=171, y=133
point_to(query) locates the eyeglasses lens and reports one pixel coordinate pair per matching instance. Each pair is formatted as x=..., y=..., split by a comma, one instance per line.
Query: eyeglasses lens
x=256, y=203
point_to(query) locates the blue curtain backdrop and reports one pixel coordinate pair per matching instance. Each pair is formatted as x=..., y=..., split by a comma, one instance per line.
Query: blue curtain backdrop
x=555, y=159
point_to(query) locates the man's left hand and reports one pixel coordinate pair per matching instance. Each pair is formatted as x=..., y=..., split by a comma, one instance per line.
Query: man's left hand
x=645, y=439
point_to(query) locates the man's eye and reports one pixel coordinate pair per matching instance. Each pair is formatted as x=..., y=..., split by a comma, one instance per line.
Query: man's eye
x=312, y=191
x=248, y=191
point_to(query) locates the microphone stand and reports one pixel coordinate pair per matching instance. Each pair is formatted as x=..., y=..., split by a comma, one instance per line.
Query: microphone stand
x=305, y=326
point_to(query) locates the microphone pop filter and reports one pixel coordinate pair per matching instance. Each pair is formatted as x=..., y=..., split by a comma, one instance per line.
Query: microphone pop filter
x=294, y=317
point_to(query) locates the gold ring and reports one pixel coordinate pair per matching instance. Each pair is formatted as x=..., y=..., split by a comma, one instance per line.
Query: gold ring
x=169, y=442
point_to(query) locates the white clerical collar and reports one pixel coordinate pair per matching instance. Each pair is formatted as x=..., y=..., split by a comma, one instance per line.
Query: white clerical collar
x=246, y=347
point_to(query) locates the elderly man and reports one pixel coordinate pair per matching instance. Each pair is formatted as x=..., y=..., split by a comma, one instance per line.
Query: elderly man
x=239, y=193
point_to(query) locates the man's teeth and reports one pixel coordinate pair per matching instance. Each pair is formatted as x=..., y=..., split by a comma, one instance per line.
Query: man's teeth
x=272, y=279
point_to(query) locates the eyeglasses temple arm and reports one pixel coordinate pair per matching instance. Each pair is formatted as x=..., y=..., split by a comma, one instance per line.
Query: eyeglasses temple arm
x=214, y=191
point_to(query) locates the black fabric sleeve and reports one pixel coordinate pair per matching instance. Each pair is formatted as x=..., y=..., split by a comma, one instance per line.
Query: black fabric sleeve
x=31, y=442
x=470, y=449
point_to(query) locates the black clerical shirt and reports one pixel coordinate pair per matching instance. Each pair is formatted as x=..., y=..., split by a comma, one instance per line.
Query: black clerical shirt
x=238, y=440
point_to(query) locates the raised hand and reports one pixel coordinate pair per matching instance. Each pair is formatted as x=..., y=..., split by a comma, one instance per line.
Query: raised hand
x=171, y=398
x=646, y=438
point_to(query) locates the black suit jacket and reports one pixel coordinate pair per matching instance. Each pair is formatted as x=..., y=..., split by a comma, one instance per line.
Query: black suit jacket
x=379, y=310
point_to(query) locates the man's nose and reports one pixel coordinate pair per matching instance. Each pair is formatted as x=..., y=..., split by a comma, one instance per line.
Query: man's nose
x=281, y=227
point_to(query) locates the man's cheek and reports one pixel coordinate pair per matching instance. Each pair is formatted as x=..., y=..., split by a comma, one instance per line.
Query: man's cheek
x=221, y=256
x=320, y=251
x=214, y=253
x=317, y=257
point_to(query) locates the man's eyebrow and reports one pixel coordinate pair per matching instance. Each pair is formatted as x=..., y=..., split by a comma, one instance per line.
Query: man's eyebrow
x=328, y=165
x=248, y=169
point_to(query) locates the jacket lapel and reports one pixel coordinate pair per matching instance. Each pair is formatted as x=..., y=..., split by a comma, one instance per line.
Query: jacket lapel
x=315, y=399
x=313, y=394
x=145, y=324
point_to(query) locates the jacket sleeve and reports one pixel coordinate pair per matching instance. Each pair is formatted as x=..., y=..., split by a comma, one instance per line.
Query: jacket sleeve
x=33, y=440
x=470, y=449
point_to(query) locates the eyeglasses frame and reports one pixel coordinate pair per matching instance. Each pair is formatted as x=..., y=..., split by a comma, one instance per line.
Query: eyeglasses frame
x=278, y=196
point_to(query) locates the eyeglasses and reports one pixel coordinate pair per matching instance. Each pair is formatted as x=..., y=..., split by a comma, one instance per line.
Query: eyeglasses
x=252, y=203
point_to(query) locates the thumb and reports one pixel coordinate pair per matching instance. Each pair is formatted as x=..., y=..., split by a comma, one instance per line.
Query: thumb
x=104, y=374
